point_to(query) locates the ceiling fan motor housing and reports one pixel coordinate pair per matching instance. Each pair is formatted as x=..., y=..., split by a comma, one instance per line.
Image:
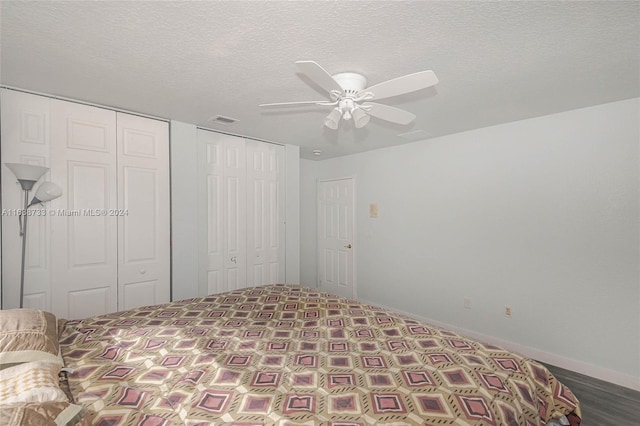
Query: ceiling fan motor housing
x=351, y=82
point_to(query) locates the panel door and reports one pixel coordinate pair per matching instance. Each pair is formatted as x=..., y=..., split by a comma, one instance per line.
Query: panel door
x=25, y=139
x=143, y=211
x=335, y=237
x=265, y=213
x=84, y=243
x=210, y=244
x=222, y=212
x=234, y=214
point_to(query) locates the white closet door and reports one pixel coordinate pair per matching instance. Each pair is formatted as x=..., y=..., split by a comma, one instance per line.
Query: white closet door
x=265, y=213
x=235, y=212
x=210, y=244
x=143, y=211
x=84, y=241
x=222, y=212
x=25, y=139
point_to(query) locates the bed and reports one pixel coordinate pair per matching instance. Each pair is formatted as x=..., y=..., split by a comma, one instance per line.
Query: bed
x=290, y=355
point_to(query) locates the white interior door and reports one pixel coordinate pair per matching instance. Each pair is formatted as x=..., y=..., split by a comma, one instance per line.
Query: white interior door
x=25, y=139
x=265, y=213
x=336, y=236
x=143, y=211
x=84, y=244
x=222, y=212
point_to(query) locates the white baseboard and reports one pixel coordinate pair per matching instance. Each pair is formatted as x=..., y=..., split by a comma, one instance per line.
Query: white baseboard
x=581, y=367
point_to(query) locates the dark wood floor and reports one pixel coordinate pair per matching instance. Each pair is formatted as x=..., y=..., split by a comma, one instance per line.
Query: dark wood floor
x=602, y=403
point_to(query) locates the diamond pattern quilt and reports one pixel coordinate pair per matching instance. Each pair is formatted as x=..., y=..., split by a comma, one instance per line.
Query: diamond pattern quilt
x=289, y=355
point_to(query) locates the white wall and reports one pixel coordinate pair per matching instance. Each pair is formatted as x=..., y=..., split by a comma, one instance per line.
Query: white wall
x=184, y=211
x=292, y=214
x=541, y=215
x=308, y=203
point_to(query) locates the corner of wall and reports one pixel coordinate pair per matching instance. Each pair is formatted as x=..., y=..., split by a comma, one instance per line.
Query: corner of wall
x=184, y=217
x=292, y=213
x=308, y=199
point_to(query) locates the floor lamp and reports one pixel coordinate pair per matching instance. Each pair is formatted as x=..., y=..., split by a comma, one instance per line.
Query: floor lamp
x=27, y=176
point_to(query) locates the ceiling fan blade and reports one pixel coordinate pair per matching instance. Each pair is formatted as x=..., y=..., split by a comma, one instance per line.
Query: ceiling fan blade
x=318, y=75
x=388, y=113
x=404, y=84
x=286, y=104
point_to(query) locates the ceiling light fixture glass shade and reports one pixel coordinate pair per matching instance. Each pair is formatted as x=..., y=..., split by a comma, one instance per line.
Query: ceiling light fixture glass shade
x=26, y=174
x=333, y=119
x=360, y=118
x=46, y=192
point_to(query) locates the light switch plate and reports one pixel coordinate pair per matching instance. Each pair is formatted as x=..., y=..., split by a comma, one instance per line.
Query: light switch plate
x=373, y=210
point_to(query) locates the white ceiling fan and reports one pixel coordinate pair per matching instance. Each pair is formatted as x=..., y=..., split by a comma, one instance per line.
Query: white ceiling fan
x=350, y=96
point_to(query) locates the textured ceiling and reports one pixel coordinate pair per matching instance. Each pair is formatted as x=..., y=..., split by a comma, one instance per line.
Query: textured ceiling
x=188, y=61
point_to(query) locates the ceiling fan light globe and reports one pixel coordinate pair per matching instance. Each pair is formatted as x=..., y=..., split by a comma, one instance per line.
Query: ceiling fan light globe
x=331, y=124
x=360, y=118
x=333, y=119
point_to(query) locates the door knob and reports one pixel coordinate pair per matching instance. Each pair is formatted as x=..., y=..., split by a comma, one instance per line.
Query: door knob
x=233, y=259
x=347, y=246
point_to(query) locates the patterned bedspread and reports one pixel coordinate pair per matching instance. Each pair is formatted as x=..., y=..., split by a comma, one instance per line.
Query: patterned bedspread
x=289, y=355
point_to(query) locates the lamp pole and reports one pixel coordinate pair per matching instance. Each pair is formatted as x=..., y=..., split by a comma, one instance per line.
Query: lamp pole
x=23, y=234
x=27, y=176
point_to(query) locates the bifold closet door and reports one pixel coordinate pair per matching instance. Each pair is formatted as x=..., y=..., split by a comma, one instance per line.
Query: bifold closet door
x=221, y=212
x=265, y=213
x=104, y=245
x=25, y=139
x=84, y=233
x=143, y=211
x=110, y=240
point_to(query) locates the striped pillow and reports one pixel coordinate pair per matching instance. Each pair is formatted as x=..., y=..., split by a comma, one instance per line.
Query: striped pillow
x=35, y=381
